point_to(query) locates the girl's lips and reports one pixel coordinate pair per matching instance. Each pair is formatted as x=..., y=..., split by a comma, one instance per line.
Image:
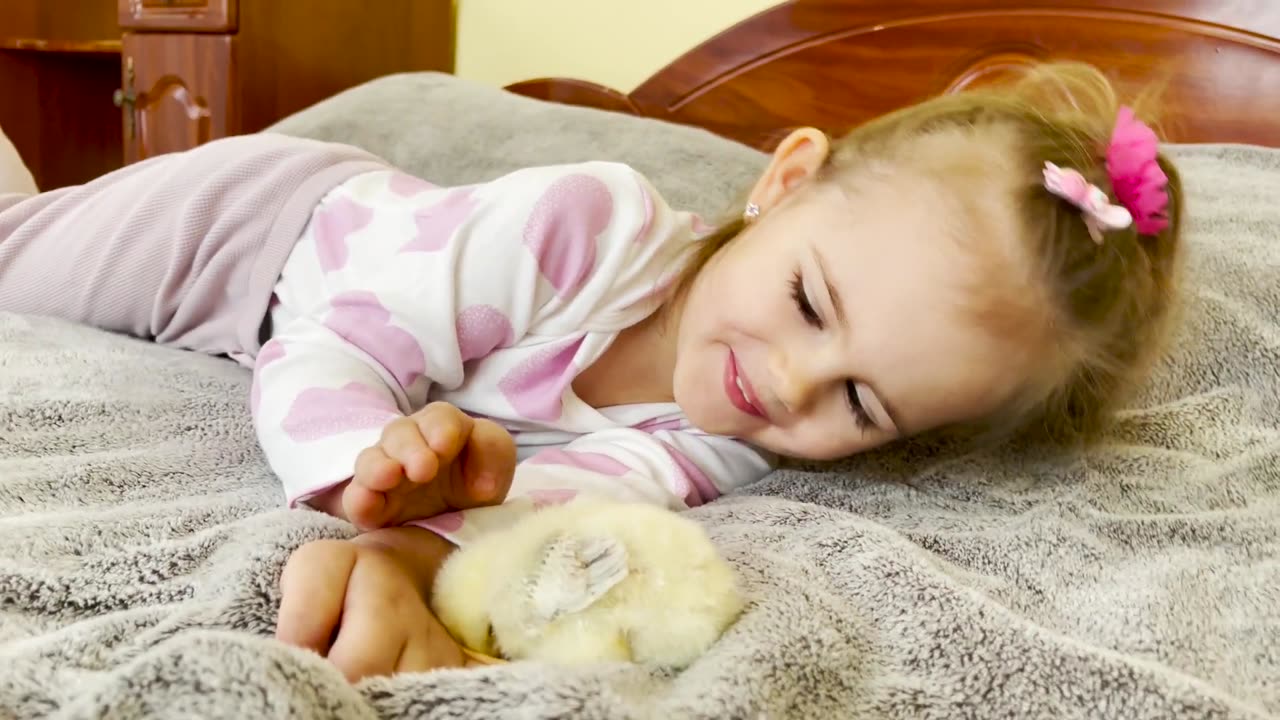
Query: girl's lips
x=752, y=398
x=742, y=398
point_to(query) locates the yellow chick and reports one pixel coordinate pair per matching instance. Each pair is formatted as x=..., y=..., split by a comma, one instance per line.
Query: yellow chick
x=590, y=581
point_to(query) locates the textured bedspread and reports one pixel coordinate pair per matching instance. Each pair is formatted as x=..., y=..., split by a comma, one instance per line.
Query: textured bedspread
x=141, y=539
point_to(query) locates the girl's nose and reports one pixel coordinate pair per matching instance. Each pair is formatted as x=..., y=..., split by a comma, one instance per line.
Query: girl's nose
x=800, y=378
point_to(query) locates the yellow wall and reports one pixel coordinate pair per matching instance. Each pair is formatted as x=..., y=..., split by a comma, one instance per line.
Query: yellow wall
x=617, y=43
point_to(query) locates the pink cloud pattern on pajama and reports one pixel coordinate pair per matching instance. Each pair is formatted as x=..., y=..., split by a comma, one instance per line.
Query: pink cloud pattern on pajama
x=438, y=223
x=535, y=387
x=658, y=424
x=562, y=230
x=648, y=213
x=557, y=496
x=451, y=522
x=361, y=319
x=697, y=487
x=595, y=462
x=318, y=413
x=482, y=329
x=272, y=351
x=406, y=185
x=332, y=226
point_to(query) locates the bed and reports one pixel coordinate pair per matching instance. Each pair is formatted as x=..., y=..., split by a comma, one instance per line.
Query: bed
x=141, y=535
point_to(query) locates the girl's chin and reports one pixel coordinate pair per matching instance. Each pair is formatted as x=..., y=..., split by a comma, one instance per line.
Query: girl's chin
x=713, y=423
x=735, y=427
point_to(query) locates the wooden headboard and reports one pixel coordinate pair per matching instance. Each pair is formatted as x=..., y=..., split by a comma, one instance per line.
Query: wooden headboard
x=834, y=64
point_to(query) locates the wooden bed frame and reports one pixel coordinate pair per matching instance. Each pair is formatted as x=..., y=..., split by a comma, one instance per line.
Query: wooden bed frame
x=836, y=63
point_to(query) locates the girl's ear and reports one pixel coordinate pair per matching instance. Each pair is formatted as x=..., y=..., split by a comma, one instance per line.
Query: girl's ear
x=797, y=159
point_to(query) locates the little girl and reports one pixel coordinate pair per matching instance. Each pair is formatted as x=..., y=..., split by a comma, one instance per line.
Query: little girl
x=997, y=261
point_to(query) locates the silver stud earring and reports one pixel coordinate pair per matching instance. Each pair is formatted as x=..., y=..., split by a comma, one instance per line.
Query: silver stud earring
x=751, y=213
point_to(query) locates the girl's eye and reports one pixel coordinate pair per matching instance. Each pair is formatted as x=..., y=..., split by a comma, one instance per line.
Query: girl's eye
x=802, y=301
x=861, y=417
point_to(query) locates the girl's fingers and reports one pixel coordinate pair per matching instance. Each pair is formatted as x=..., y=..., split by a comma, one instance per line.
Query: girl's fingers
x=366, y=509
x=365, y=647
x=429, y=646
x=403, y=442
x=374, y=627
x=488, y=466
x=445, y=429
x=313, y=587
x=375, y=470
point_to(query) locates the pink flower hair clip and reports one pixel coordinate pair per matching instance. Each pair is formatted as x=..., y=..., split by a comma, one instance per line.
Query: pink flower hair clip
x=1099, y=214
x=1141, y=187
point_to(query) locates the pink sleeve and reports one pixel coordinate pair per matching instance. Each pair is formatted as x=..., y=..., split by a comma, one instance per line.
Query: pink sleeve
x=397, y=285
x=676, y=469
x=316, y=404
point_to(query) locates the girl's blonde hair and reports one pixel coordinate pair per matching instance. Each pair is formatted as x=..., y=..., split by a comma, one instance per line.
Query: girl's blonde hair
x=1103, y=310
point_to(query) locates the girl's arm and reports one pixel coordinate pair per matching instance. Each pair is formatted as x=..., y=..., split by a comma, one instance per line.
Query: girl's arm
x=672, y=468
x=374, y=591
x=393, y=292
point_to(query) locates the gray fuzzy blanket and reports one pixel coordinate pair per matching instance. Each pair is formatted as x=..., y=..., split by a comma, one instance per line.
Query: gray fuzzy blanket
x=141, y=539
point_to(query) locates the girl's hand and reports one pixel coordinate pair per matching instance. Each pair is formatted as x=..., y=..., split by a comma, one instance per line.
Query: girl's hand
x=359, y=605
x=437, y=460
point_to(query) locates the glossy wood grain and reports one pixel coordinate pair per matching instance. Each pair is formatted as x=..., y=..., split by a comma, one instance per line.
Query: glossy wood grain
x=837, y=63
x=183, y=85
x=568, y=91
x=186, y=15
x=189, y=71
x=295, y=53
x=64, y=21
x=90, y=47
x=284, y=55
x=59, y=63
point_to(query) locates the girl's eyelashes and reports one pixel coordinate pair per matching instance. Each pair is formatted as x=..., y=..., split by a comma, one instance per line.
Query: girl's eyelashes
x=861, y=417
x=802, y=301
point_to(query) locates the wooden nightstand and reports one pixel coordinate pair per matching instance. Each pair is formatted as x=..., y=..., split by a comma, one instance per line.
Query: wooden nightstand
x=184, y=72
x=195, y=70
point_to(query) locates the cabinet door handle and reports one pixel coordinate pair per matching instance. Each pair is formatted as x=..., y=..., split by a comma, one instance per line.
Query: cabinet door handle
x=126, y=99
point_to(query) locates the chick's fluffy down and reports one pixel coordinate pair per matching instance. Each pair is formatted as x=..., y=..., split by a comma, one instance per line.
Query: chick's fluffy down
x=590, y=581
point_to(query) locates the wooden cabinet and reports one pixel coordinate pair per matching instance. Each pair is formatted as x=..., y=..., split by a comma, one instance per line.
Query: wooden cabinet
x=196, y=70
x=59, y=63
x=179, y=92
x=183, y=72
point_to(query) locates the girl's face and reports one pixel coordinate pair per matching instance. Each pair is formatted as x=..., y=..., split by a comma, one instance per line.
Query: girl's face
x=837, y=321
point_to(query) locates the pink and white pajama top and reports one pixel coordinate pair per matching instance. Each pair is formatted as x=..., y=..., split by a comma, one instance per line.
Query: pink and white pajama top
x=491, y=297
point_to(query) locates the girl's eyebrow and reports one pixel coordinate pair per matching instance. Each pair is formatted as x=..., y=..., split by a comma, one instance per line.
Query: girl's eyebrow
x=838, y=303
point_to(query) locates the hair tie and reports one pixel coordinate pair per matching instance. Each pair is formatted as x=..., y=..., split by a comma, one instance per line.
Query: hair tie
x=1136, y=178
